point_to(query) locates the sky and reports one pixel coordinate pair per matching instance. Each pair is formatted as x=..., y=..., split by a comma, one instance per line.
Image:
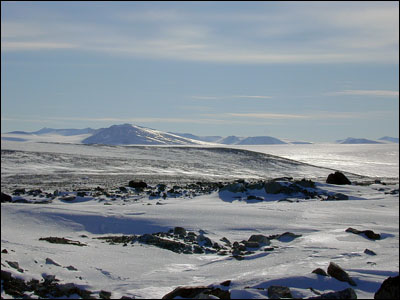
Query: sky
x=314, y=71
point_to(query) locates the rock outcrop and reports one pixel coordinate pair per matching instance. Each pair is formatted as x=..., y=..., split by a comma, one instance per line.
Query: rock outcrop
x=389, y=289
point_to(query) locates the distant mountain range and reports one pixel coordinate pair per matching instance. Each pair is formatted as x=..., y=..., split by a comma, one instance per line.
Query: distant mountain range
x=382, y=140
x=127, y=134
x=64, y=132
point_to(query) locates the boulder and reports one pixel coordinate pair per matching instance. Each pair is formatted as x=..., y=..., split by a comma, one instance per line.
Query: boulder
x=5, y=198
x=389, y=289
x=278, y=292
x=337, y=272
x=348, y=293
x=259, y=238
x=319, y=271
x=337, y=178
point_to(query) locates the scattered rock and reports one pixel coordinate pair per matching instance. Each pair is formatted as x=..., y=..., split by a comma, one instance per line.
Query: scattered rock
x=49, y=261
x=278, y=292
x=319, y=271
x=15, y=265
x=368, y=233
x=71, y=268
x=337, y=272
x=337, y=178
x=369, y=252
x=58, y=240
x=389, y=289
x=348, y=293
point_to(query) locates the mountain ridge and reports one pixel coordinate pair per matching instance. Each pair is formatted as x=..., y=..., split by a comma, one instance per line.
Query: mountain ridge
x=125, y=134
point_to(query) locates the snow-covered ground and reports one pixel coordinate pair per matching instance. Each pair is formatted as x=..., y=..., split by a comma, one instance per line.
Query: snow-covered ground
x=145, y=271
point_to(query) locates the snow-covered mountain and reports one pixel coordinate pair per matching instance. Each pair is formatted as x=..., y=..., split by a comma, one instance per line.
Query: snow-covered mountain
x=235, y=140
x=351, y=140
x=126, y=134
x=389, y=139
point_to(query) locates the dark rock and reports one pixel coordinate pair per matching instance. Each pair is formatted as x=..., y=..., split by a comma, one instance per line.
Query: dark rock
x=252, y=197
x=49, y=261
x=57, y=240
x=259, y=238
x=117, y=239
x=278, y=292
x=226, y=283
x=185, y=292
x=21, y=201
x=174, y=246
x=348, y=293
x=369, y=252
x=71, y=268
x=368, y=233
x=197, y=292
x=337, y=178
x=226, y=241
x=319, y=271
x=285, y=237
x=179, y=231
x=104, y=295
x=337, y=272
x=137, y=184
x=68, y=198
x=5, y=198
x=4, y=251
x=18, y=192
x=306, y=183
x=237, y=187
x=273, y=187
x=204, y=241
x=389, y=289
x=338, y=196
x=251, y=244
x=13, y=264
x=197, y=249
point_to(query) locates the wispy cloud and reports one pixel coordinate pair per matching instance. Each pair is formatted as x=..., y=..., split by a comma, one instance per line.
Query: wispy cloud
x=374, y=93
x=314, y=115
x=231, y=97
x=268, y=115
x=299, y=33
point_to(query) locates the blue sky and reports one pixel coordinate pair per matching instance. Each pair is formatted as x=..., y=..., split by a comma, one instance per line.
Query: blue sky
x=316, y=71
